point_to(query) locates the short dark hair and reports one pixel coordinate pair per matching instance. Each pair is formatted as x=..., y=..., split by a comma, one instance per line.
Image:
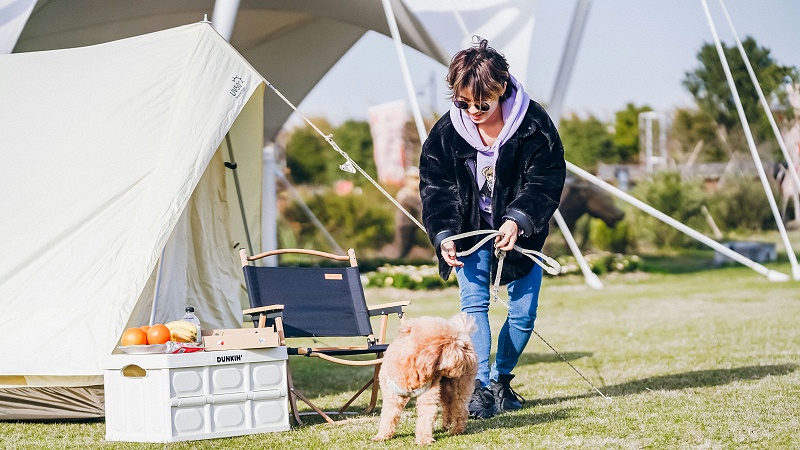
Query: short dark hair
x=481, y=71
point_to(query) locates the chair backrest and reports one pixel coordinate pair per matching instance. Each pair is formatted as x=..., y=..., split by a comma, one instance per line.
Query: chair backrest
x=317, y=301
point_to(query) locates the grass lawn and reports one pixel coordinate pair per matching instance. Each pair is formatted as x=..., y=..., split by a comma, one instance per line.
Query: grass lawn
x=703, y=359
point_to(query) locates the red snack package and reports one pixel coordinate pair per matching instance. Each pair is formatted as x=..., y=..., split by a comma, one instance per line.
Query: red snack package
x=183, y=347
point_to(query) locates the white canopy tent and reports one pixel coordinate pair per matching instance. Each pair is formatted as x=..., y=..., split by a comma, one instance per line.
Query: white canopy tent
x=108, y=158
x=292, y=43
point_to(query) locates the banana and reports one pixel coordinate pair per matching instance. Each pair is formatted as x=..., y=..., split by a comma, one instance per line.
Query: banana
x=182, y=331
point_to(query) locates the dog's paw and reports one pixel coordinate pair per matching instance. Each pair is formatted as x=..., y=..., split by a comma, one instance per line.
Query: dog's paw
x=424, y=440
x=381, y=437
x=457, y=428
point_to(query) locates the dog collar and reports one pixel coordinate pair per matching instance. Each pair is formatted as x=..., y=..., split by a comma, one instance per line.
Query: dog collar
x=404, y=393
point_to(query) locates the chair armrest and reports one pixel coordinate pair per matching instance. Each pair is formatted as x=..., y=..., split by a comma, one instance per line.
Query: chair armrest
x=388, y=308
x=263, y=309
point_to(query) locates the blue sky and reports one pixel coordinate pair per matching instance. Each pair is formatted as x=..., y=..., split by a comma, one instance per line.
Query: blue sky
x=632, y=51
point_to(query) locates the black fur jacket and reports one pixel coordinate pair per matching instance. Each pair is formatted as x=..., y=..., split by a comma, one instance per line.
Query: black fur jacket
x=529, y=177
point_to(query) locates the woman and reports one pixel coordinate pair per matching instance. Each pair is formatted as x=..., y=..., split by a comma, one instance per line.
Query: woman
x=495, y=162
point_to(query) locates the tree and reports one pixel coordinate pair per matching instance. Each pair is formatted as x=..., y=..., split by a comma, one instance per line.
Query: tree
x=308, y=155
x=690, y=126
x=709, y=86
x=586, y=142
x=626, y=132
x=354, y=138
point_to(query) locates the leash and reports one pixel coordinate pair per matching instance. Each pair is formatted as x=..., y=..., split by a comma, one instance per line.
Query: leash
x=547, y=263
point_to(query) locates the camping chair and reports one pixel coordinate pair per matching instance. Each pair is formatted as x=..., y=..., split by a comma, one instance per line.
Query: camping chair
x=318, y=302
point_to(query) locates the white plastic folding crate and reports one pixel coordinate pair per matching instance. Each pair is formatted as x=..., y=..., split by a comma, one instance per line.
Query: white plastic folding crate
x=201, y=395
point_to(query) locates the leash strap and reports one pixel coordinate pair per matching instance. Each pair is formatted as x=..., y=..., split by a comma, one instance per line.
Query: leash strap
x=547, y=263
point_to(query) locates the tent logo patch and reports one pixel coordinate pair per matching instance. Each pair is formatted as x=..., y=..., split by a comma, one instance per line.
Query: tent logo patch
x=238, y=87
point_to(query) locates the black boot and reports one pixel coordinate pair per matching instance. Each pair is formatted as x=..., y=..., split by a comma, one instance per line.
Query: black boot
x=482, y=403
x=504, y=396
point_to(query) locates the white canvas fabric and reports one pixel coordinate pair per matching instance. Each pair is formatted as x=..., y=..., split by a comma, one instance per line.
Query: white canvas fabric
x=292, y=43
x=103, y=147
x=13, y=15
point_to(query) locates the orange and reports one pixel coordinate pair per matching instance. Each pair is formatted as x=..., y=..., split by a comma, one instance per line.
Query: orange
x=158, y=334
x=134, y=336
x=144, y=328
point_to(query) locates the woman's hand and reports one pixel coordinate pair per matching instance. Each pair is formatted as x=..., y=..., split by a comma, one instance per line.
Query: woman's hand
x=449, y=254
x=509, y=232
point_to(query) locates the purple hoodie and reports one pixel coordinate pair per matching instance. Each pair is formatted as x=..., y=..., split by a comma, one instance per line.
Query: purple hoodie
x=513, y=110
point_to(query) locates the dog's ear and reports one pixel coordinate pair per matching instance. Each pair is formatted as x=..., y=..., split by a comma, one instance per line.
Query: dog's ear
x=405, y=329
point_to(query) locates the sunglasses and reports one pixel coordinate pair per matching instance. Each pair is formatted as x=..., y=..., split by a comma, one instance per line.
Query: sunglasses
x=483, y=107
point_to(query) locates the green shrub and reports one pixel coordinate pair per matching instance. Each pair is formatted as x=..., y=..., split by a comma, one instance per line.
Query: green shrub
x=681, y=200
x=364, y=221
x=742, y=205
x=601, y=263
x=620, y=239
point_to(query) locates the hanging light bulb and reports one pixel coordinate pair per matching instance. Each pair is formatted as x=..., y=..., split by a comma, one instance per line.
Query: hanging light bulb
x=347, y=167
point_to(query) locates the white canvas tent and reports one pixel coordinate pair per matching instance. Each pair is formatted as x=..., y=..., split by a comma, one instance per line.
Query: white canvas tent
x=292, y=43
x=108, y=151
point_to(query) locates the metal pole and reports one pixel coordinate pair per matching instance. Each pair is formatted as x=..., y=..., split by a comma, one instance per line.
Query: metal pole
x=224, y=17
x=648, y=139
x=157, y=289
x=662, y=139
x=398, y=46
x=771, y=275
x=568, y=59
x=555, y=107
x=792, y=171
x=232, y=165
x=751, y=143
x=269, y=205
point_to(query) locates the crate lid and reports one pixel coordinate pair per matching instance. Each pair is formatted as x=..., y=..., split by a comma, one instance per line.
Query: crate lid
x=176, y=360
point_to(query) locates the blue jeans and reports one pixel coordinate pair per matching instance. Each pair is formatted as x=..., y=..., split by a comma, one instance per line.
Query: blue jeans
x=523, y=300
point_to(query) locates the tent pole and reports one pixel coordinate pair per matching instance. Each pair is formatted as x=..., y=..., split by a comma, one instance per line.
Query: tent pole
x=555, y=107
x=751, y=143
x=568, y=59
x=224, y=17
x=269, y=208
x=398, y=45
x=157, y=288
x=772, y=275
x=792, y=170
x=232, y=165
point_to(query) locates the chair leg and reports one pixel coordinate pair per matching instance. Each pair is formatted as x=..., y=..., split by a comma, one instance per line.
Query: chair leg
x=375, y=388
x=357, y=394
x=374, y=396
x=315, y=408
x=294, y=394
x=293, y=398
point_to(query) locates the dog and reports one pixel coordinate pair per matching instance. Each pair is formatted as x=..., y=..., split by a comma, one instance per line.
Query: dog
x=434, y=361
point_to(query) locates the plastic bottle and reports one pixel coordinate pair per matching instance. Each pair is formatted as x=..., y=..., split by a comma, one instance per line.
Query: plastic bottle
x=191, y=318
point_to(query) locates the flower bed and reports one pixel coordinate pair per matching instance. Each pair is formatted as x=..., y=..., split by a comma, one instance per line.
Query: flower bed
x=427, y=276
x=602, y=262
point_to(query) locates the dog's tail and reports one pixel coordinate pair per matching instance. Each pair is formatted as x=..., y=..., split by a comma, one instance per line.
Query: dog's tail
x=458, y=356
x=464, y=323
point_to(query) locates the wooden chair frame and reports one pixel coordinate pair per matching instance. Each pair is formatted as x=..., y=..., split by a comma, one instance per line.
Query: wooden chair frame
x=272, y=314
